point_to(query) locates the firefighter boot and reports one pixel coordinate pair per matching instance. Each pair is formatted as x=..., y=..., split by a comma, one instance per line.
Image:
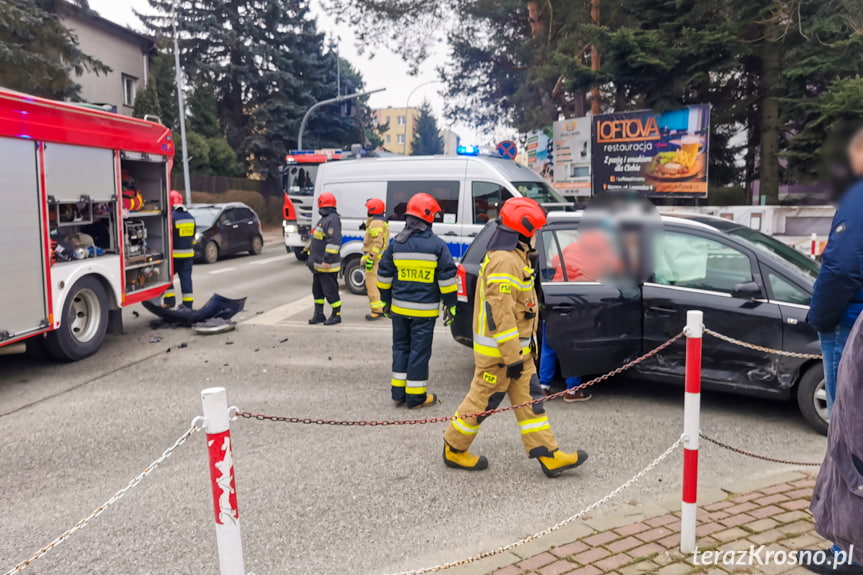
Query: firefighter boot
x=431, y=399
x=559, y=461
x=463, y=459
x=319, y=316
x=335, y=318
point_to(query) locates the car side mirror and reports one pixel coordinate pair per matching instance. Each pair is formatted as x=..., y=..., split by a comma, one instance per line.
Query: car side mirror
x=746, y=290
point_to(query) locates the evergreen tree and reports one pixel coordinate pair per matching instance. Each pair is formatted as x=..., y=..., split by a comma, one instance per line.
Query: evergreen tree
x=427, y=139
x=163, y=77
x=147, y=102
x=38, y=55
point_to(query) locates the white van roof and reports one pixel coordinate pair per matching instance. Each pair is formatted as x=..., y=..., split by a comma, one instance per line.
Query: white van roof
x=425, y=166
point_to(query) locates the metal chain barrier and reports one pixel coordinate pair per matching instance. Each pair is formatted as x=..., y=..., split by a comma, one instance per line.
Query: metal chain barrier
x=193, y=428
x=755, y=455
x=388, y=423
x=553, y=528
x=761, y=348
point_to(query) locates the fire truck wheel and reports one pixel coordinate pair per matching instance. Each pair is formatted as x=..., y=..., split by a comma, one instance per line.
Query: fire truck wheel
x=211, y=252
x=301, y=254
x=257, y=245
x=83, y=324
x=355, y=276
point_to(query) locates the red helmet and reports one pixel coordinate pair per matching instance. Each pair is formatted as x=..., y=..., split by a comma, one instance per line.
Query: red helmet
x=326, y=200
x=176, y=198
x=522, y=215
x=376, y=207
x=424, y=207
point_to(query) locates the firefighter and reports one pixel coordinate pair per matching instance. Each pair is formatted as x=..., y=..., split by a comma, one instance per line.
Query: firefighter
x=416, y=272
x=325, y=261
x=376, y=240
x=183, y=225
x=505, y=320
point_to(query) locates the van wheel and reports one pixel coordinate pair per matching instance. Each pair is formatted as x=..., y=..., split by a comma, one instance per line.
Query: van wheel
x=83, y=324
x=257, y=245
x=812, y=398
x=211, y=252
x=300, y=253
x=355, y=276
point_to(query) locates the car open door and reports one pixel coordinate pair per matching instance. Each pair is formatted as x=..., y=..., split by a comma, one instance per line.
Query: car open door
x=594, y=328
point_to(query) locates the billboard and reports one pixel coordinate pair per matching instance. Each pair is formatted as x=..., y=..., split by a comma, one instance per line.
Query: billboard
x=540, y=154
x=660, y=155
x=572, y=156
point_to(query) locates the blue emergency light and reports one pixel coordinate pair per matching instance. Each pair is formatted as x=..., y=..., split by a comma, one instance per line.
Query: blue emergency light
x=467, y=150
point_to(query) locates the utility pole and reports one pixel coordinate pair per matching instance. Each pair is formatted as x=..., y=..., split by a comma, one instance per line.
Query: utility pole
x=594, y=59
x=181, y=102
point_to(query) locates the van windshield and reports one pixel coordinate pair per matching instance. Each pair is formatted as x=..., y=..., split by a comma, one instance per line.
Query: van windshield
x=539, y=191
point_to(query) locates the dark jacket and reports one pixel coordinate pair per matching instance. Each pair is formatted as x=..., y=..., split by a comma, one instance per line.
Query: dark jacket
x=415, y=273
x=326, y=242
x=183, y=224
x=837, y=297
x=837, y=501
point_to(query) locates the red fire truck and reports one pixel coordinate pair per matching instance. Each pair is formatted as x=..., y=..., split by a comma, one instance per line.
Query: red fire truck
x=85, y=221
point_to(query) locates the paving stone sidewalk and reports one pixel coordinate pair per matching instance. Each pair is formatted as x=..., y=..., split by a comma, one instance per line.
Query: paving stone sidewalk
x=775, y=516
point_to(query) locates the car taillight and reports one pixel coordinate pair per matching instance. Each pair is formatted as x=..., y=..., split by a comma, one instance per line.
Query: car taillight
x=461, y=281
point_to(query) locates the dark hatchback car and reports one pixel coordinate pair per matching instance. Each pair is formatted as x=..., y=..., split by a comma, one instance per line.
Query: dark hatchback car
x=224, y=229
x=750, y=287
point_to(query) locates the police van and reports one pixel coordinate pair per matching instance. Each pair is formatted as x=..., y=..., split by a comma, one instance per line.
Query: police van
x=469, y=187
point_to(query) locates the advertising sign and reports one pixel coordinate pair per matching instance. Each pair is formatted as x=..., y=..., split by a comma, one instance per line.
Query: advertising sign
x=540, y=154
x=572, y=156
x=660, y=155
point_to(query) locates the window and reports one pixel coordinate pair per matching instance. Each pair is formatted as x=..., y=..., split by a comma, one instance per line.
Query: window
x=227, y=217
x=783, y=291
x=539, y=191
x=130, y=86
x=243, y=214
x=691, y=261
x=580, y=172
x=589, y=257
x=389, y=138
x=401, y=120
x=446, y=193
x=400, y=139
x=487, y=199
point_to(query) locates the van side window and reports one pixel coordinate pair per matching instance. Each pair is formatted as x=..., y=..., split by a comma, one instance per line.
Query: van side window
x=446, y=193
x=487, y=199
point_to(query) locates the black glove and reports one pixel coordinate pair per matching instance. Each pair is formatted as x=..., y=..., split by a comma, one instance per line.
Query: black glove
x=513, y=371
x=385, y=311
x=449, y=315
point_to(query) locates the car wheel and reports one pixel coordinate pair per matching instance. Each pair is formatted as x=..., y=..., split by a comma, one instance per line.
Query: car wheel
x=257, y=245
x=83, y=324
x=355, y=276
x=211, y=252
x=300, y=253
x=812, y=398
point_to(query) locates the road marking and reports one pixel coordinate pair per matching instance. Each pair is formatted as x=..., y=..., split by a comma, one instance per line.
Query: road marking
x=221, y=271
x=268, y=260
x=277, y=315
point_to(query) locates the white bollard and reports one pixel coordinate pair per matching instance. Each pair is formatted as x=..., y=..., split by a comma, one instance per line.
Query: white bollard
x=227, y=515
x=691, y=430
x=813, y=247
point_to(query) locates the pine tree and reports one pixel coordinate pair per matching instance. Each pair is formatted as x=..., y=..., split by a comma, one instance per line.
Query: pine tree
x=427, y=139
x=38, y=55
x=147, y=103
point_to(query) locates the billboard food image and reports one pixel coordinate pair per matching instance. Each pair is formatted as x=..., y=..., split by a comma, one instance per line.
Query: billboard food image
x=572, y=155
x=660, y=155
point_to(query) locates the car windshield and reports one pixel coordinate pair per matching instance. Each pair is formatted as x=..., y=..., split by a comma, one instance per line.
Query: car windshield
x=205, y=216
x=539, y=191
x=774, y=246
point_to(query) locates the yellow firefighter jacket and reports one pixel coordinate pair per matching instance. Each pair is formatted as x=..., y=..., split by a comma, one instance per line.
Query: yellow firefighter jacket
x=377, y=238
x=505, y=309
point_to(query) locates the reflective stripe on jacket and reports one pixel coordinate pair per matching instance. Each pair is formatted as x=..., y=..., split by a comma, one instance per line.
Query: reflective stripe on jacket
x=326, y=244
x=377, y=238
x=183, y=224
x=415, y=275
x=505, y=309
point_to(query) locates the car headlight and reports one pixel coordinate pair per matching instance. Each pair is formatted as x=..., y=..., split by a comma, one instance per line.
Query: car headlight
x=290, y=228
x=198, y=237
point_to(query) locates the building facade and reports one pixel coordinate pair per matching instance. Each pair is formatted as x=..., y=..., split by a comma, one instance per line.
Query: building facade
x=399, y=136
x=125, y=51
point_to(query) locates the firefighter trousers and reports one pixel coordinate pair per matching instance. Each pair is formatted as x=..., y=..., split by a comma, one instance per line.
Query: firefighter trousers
x=487, y=390
x=325, y=287
x=375, y=302
x=183, y=269
x=412, y=350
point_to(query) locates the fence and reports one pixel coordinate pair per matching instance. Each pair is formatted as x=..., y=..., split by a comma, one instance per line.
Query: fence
x=217, y=416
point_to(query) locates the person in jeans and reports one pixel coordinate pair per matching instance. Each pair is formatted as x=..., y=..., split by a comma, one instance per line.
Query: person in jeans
x=548, y=369
x=837, y=297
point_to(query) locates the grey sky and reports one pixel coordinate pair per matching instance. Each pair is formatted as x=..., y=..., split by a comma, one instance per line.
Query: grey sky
x=384, y=70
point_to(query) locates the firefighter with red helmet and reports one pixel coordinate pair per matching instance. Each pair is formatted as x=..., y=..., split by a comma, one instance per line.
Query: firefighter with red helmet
x=325, y=261
x=183, y=226
x=416, y=272
x=505, y=321
x=376, y=240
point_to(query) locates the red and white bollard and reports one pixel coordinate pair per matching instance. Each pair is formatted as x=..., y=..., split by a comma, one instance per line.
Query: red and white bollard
x=813, y=247
x=217, y=427
x=691, y=429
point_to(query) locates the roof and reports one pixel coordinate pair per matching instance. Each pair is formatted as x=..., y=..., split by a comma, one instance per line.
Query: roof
x=720, y=224
x=510, y=170
x=92, y=17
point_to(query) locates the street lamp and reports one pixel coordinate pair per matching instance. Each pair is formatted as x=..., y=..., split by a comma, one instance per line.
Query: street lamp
x=181, y=102
x=407, y=104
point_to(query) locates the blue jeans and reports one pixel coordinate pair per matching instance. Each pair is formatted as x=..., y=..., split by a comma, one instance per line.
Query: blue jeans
x=832, y=345
x=548, y=365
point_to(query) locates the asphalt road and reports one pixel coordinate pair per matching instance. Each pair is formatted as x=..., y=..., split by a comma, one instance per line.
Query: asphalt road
x=316, y=499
